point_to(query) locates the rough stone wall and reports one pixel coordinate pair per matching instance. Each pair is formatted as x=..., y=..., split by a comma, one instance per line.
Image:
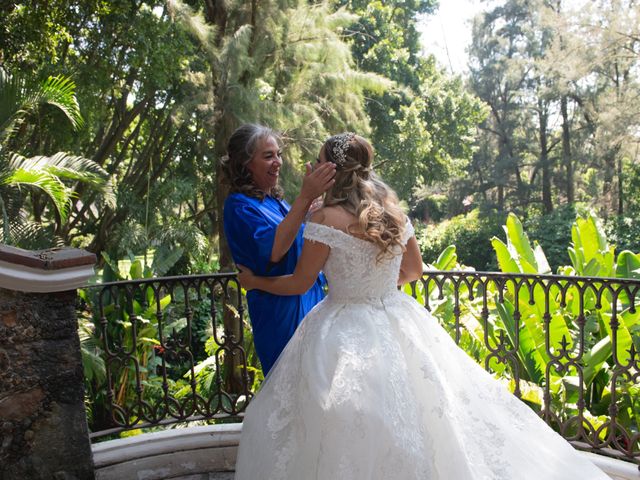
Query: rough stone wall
x=43, y=426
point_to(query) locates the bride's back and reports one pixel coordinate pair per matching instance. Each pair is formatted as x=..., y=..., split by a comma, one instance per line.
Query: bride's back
x=353, y=268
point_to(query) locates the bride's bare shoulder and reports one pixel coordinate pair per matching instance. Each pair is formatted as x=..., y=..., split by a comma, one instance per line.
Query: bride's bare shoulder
x=317, y=216
x=335, y=217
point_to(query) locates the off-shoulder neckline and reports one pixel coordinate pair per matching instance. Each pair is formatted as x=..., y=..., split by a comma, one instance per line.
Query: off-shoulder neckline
x=348, y=235
x=342, y=232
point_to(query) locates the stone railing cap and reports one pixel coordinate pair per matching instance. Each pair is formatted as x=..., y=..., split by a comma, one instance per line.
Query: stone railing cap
x=50, y=259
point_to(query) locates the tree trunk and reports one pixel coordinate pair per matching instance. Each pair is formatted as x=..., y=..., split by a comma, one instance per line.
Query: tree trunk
x=500, y=197
x=547, y=202
x=620, y=209
x=609, y=197
x=566, y=150
x=216, y=13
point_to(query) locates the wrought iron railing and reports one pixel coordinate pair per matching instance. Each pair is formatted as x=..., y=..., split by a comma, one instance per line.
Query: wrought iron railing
x=151, y=333
x=566, y=345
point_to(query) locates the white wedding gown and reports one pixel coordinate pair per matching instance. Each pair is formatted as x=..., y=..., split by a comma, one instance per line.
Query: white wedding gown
x=371, y=387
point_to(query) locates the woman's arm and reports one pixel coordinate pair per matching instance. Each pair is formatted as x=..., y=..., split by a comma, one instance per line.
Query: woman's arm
x=411, y=266
x=312, y=259
x=315, y=183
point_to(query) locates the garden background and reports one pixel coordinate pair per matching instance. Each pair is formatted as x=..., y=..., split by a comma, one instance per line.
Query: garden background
x=114, y=115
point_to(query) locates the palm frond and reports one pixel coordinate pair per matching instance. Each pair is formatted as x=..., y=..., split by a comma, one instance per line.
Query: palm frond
x=58, y=91
x=11, y=89
x=19, y=101
x=51, y=185
x=70, y=167
x=61, y=166
x=29, y=235
x=107, y=194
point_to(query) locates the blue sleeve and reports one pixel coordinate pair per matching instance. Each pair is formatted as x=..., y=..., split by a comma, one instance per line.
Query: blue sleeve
x=250, y=235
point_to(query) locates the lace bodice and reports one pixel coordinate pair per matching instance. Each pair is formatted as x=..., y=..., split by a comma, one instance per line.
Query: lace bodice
x=351, y=269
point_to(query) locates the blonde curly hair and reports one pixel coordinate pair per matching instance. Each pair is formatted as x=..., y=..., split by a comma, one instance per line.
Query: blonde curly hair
x=359, y=191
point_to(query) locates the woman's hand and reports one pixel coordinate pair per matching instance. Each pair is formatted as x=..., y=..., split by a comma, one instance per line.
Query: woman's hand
x=317, y=181
x=316, y=205
x=246, y=277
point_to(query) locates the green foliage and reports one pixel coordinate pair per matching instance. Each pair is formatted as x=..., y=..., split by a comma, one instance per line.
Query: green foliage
x=153, y=359
x=430, y=208
x=157, y=119
x=563, y=111
x=32, y=36
x=590, y=253
x=20, y=107
x=169, y=331
x=517, y=255
x=143, y=121
x=132, y=322
x=21, y=102
x=515, y=313
x=624, y=231
x=553, y=232
x=470, y=233
x=423, y=129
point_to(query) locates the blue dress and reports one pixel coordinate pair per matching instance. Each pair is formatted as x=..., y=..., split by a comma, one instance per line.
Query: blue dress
x=250, y=227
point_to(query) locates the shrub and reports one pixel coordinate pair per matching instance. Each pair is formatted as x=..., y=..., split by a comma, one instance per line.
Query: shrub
x=624, y=232
x=553, y=233
x=471, y=233
x=431, y=208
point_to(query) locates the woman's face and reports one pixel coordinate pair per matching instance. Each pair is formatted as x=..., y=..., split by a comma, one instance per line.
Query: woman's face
x=265, y=164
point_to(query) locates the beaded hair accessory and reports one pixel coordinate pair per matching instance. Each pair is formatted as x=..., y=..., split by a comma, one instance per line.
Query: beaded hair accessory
x=340, y=146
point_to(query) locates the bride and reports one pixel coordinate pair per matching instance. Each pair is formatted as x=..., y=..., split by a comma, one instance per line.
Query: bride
x=370, y=386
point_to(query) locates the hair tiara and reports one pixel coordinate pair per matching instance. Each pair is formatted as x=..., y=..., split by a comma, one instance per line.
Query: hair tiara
x=340, y=145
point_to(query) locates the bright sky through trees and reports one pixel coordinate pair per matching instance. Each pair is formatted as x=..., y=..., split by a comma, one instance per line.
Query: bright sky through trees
x=447, y=33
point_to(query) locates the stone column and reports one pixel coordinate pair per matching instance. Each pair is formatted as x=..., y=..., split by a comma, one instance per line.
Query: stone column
x=43, y=424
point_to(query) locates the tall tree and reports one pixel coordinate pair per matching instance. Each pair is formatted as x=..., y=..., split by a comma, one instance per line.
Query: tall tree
x=283, y=64
x=612, y=99
x=499, y=76
x=422, y=129
x=532, y=57
x=144, y=120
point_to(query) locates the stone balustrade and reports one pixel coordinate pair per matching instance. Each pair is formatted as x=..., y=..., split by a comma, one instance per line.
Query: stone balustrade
x=43, y=421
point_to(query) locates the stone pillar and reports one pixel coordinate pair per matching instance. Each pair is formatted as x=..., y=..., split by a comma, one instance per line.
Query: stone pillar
x=43, y=424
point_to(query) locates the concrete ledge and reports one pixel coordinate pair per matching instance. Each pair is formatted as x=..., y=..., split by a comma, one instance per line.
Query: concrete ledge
x=26, y=279
x=199, y=453
x=616, y=469
x=44, y=271
x=49, y=259
x=171, y=454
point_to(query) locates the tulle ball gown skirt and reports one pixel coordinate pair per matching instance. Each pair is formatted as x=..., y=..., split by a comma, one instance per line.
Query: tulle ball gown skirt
x=377, y=390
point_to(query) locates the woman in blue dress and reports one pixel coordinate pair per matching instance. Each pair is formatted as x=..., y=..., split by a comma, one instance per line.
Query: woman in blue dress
x=264, y=232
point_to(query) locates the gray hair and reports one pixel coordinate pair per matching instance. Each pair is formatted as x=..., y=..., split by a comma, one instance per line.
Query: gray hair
x=241, y=148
